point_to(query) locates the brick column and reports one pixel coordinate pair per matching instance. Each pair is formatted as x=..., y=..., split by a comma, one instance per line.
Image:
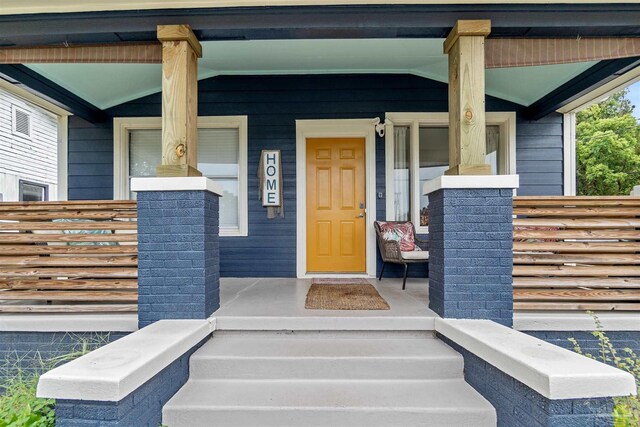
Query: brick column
x=178, y=249
x=471, y=247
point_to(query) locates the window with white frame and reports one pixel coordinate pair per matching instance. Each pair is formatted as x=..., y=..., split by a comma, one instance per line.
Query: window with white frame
x=222, y=156
x=417, y=150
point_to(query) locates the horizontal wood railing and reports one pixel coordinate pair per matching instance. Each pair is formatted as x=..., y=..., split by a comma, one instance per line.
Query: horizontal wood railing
x=77, y=256
x=576, y=253
x=570, y=253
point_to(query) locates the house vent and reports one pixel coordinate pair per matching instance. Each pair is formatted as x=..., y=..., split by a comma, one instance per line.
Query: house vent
x=21, y=122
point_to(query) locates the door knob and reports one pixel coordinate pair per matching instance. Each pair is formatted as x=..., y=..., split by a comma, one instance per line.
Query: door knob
x=360, y=216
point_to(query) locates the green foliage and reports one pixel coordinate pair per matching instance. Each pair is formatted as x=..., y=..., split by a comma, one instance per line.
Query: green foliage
x=19, y=406
x=608, y=147
x=626, y=411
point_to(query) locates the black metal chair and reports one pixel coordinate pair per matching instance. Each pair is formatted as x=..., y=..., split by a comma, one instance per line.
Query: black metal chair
x=390, y=250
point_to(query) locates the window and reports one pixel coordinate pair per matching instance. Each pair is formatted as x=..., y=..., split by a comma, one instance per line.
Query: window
x=222, y=156
x=32, y=192
x=20, y=122
x=417, y=150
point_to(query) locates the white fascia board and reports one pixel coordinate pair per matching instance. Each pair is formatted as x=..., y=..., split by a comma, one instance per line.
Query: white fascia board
x=189, y=183
x=82, y=322
x=112, y=372
x=554, y=372
x=471, y=181
x=575, y=321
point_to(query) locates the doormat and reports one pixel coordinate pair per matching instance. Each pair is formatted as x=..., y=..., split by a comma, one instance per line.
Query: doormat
x=344, y=294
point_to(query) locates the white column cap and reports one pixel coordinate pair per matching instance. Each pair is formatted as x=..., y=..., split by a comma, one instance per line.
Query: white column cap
x=471, y=181
x=187, y=183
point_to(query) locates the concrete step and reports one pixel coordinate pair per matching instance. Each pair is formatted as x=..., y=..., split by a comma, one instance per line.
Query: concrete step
x=325, y=356
x=312, y=403
x=346, y=321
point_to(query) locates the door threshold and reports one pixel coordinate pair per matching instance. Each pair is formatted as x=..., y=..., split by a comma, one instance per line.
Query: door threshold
x=337, y=276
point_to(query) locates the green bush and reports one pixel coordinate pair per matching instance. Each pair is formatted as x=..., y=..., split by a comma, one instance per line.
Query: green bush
x=19, y=406
x=626, y=411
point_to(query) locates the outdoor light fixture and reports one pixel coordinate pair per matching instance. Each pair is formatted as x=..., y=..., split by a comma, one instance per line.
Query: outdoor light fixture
x=379, y=126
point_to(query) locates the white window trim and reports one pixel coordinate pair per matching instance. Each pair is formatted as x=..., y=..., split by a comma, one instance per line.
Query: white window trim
x=569, y=111
x=339, y=128
x=506, y=121
x=603, y=92
x=121, y=128
x=569, y=147
x=569, y=132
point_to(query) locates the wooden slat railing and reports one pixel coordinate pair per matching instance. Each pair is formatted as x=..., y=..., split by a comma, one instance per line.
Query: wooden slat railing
x=77, y=256
x=576, y=253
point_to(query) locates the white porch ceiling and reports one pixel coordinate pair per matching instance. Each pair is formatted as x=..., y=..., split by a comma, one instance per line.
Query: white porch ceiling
x=107, y=85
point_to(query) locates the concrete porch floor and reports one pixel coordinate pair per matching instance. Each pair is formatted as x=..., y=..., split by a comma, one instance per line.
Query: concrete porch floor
x=278, y=304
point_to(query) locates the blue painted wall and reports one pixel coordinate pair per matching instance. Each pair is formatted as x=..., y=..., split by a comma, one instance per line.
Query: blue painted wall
x=141, y=408
x=273, y=103
x=518, y=405
x=590, y=344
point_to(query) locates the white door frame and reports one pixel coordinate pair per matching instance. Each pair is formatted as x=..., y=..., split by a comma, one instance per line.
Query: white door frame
x=339, y=128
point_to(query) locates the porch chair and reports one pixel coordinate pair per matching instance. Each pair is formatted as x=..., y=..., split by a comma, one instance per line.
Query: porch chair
x=399, y=244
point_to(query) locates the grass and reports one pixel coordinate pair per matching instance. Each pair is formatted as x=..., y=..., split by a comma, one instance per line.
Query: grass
x=19, y=406
x=626, y=411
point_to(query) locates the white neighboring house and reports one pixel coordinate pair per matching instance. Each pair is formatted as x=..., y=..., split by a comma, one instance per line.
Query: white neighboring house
x=28, y=150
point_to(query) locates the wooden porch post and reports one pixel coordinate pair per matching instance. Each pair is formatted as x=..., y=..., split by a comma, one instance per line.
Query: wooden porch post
x=180, y=53
x=467, y=123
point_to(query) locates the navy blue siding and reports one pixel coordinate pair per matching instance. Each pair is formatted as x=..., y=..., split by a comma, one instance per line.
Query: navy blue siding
x=90, y=160
x=273, y=103
x=539, y=156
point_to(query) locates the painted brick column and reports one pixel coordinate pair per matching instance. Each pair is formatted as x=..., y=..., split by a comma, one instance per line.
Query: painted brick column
x=178, y=248
x=471, y=247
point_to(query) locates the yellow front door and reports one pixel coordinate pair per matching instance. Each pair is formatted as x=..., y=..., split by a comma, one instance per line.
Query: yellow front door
x=336, y=220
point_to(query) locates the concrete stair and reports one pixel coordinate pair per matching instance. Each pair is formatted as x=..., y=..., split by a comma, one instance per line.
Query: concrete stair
x=327, y=379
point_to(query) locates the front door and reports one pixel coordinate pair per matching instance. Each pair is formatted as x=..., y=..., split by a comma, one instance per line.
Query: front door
x=336, y=220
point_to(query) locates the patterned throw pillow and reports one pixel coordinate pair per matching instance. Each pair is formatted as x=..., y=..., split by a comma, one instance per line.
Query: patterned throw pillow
x=399, y=232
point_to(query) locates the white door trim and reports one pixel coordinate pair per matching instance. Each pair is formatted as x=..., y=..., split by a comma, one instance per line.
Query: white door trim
x=339, y=128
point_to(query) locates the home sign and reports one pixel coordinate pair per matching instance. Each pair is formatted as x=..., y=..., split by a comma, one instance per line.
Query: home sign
x=271, y=182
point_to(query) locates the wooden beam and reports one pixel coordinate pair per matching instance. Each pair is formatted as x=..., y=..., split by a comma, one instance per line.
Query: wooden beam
x=180, y=53
x=467, y=121
x=528, y=52
x=114, y=53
